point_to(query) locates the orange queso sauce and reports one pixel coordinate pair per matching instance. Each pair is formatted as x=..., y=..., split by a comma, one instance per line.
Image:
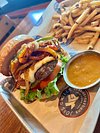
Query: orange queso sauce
x=84, y=70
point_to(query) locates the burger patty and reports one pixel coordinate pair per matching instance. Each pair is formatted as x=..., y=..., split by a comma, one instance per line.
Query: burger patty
x=45, y=70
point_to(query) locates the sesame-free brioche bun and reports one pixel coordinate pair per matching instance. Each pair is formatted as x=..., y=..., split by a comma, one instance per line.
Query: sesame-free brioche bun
x=10, y=49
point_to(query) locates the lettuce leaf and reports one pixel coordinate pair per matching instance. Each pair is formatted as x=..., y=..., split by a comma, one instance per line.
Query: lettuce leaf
x=52, y=88
x=39, y=94
x=64, y=60
x=45, y=38
x=31, y=96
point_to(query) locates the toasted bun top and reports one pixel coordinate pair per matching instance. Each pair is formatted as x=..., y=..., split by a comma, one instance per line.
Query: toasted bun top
x=10, y=49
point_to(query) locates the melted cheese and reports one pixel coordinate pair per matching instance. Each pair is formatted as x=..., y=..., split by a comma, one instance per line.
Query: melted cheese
x=32, y=70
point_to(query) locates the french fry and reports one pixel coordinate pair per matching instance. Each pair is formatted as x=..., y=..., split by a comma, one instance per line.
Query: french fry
x=96, y=17
x=78, y=31
x=65, y=13
x=66, y=27
x=78, y=14
x=90, y=16
x=63, y=21
x=83, y=16
x=64, y=18
x=64, y=34
x=75, y=19
x=85, y=1
x=93, y=41
x=71, y=21
x=90, y=28
x=56, y=16
x=56, y=25
x=78, y=21
x=75, y=6
x=59, y=31
x=95, y=23
x=72, y=30
x=58, y=36
x=75, y=11
x=85, y=5
x=94, y=4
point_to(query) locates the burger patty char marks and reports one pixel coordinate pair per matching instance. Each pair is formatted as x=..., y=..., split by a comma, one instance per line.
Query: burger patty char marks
x=45, y=70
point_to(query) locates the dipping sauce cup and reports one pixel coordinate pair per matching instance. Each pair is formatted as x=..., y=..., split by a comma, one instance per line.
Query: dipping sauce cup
x=83, y=70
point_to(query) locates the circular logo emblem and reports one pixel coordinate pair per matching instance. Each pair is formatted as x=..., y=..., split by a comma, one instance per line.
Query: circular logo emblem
x=73, y=102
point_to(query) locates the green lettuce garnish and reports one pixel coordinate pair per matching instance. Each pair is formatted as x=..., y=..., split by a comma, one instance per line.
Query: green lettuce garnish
x=31, y=96
x=64, y=60
x=39, y=94
x=52, y=88
x=45, y=38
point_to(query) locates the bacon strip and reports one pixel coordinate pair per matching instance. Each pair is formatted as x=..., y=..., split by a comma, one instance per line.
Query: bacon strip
x=40, y=57
x=22, y=67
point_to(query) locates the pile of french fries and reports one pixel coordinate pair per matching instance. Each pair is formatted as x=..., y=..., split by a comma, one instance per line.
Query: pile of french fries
x=81, y=22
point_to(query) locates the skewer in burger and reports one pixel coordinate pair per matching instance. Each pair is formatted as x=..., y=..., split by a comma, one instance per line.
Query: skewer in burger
x=36, y=66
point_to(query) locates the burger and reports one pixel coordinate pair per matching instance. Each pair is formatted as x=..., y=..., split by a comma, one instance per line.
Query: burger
x=36, y=65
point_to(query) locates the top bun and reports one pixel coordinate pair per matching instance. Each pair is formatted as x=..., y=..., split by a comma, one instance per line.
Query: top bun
x=10, y=49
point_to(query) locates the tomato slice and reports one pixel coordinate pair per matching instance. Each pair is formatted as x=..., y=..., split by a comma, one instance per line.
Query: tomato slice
x=40, y=57
x=52, y=76
x=36, y=87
